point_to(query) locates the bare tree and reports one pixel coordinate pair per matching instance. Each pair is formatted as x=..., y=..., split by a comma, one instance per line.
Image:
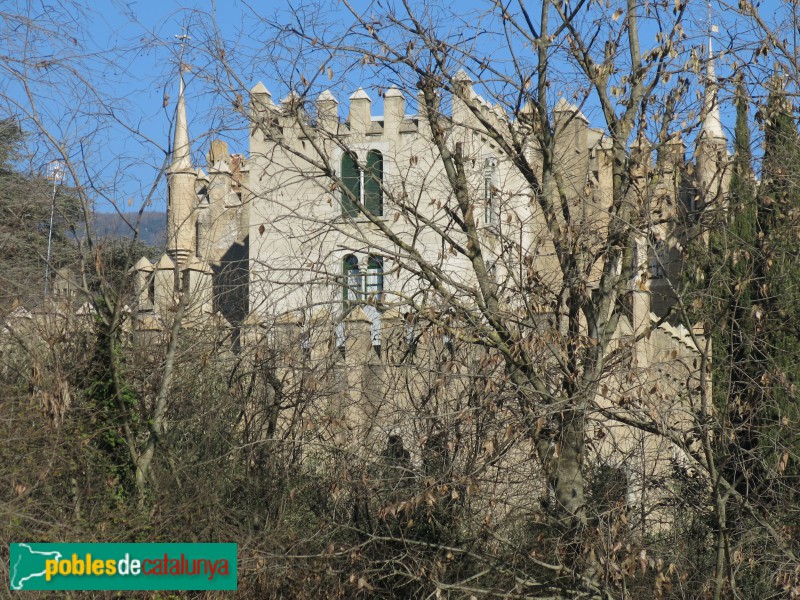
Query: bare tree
x=508, y=226
x=471, y=365
x=554, y=240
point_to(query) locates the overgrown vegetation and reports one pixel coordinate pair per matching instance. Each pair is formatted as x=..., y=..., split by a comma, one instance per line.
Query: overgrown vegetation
x=476, y=452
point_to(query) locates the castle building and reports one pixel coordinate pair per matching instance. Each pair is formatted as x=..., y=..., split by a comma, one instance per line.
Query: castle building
x=337, y=231
x=331, y=213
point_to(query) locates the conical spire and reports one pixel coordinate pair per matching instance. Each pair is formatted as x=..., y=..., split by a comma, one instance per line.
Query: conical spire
x=712, y=124
x=181, y=151
x=181, y=182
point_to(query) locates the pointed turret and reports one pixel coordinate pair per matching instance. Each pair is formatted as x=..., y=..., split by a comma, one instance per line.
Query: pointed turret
x=393, y=109
x=197, y=275
x=181, y=180
x=712, y=155
x=328, y=111
x=165, y=283
x=145, y=285
x=360, y=117
x=181, y=151
x=712, y=124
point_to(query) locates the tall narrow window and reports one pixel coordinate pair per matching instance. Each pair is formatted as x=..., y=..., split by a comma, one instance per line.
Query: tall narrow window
x=411, y=334
x=351, y=178
x=658, y=259
x=373, y=179
x=353, y=281
x=199, y=238
x=375, y=278
x=491, y=216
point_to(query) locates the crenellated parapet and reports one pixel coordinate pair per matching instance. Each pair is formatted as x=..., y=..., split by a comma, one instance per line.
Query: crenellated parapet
x=159, y=288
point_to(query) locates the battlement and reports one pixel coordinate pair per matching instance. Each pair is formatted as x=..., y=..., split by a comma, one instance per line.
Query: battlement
x=293, y=112
x=297, y=118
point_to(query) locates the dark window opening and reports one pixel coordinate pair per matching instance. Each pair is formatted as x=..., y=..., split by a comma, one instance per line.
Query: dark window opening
x=492, y=215
x=658, y=257
x=373, y=182
x=353, y=285
x=351, y=179
x=362, y=186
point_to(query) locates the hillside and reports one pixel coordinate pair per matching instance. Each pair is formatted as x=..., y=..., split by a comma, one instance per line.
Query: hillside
x=152, y=230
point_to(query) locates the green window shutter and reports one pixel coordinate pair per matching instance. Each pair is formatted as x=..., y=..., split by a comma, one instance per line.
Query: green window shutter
x=373, y=194
x=352, y=284
x=350, y=179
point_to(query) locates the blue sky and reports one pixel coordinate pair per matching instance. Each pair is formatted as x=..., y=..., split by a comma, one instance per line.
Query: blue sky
x=103, y=96
x=100, y=76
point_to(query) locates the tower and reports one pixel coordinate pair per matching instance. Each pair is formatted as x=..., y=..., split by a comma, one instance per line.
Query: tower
x=712, y=144
x=181, y=195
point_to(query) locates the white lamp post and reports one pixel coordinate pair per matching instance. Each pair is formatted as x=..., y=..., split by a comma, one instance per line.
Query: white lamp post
x=55, y=172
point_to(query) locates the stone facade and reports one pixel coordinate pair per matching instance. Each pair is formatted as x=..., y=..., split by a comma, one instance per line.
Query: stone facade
x=268, y=235
x=314, y=242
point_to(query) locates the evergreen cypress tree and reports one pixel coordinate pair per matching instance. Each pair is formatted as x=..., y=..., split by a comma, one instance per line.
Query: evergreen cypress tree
x=752, y=273
x=778, y=301
x=737, y=359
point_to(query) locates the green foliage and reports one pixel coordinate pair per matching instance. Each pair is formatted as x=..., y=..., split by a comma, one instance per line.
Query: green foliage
x=112, y=404
x=734, y=278
x=779, y=292
x=748, y=294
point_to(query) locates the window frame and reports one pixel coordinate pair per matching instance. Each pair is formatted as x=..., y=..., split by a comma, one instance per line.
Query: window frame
x=356, y=178
x=372, y=183
x=658, y=257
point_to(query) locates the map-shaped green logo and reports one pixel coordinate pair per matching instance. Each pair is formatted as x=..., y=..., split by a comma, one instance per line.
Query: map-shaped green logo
x=28, y=564
x=122, y=566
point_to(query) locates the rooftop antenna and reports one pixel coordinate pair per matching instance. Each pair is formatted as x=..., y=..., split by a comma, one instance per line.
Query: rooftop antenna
x=183, y=38
x=711, y=29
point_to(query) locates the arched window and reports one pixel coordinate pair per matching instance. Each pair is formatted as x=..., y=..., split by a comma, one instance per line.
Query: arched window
x=375, y=278
x=373, y=179
x=492, y=212
x=353, y=285
x=351, y=178
x=364, y=186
